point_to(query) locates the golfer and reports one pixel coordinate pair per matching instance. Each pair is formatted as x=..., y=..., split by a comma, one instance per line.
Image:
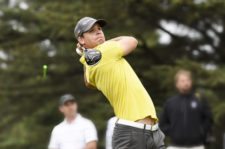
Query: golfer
x=106, y=69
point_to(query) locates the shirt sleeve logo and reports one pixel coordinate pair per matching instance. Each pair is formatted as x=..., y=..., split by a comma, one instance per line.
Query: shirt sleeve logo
x=92, y=56
x=194, y=104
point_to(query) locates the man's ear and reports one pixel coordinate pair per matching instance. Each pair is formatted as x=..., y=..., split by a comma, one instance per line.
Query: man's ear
x=61, y=109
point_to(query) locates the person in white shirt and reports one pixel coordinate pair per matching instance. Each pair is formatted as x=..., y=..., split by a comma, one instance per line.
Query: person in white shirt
x=109, y=132
x=75, y=132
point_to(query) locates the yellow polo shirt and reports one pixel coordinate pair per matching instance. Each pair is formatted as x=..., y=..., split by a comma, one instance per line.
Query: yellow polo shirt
x=115, y=78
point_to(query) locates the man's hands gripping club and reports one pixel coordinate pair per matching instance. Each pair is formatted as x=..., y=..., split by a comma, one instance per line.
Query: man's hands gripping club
x=79, y=49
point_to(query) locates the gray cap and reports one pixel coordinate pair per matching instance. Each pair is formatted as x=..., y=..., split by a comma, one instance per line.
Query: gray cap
x=85, y=24
x=67, y=97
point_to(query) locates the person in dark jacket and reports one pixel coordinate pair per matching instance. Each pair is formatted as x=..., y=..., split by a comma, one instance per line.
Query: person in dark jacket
x=186, y=118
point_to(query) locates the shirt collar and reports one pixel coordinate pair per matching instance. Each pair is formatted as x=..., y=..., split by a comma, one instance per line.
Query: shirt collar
x=77, y=118
x=190, y=94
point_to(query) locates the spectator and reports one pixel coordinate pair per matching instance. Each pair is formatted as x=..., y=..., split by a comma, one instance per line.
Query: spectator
x=109, y=132
x=186, y=118
x=75, y=132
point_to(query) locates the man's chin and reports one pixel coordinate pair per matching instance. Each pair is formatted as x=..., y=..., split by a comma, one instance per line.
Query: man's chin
x=98, y=43
x=101, y=41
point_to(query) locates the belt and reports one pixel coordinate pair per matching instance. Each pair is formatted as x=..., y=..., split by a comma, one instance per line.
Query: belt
x=138, y=125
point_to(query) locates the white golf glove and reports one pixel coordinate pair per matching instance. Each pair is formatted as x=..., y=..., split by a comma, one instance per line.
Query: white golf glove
x=79, y=49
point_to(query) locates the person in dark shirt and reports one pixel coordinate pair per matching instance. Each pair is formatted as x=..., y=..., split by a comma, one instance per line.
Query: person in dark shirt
x=186, y=118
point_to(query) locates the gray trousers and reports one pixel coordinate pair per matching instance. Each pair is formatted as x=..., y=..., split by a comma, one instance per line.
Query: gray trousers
x=196, y=147
x=127, y=137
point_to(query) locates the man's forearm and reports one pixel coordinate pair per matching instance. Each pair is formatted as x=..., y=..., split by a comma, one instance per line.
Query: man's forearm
x=91, y=145
x=88, y=85
x=128, y=43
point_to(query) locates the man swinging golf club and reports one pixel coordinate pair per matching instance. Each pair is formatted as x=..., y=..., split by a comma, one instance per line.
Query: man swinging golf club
x=106, y=69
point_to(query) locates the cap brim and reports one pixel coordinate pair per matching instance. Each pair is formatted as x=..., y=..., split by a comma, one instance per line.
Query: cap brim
x=101, y=22
x=67, y=100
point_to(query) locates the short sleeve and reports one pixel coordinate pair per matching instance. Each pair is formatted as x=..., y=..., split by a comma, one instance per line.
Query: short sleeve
x=53, y=143
x=90, y=132
x=113, y=49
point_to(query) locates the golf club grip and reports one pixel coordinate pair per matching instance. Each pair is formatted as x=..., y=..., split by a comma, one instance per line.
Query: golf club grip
x=79, y=52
